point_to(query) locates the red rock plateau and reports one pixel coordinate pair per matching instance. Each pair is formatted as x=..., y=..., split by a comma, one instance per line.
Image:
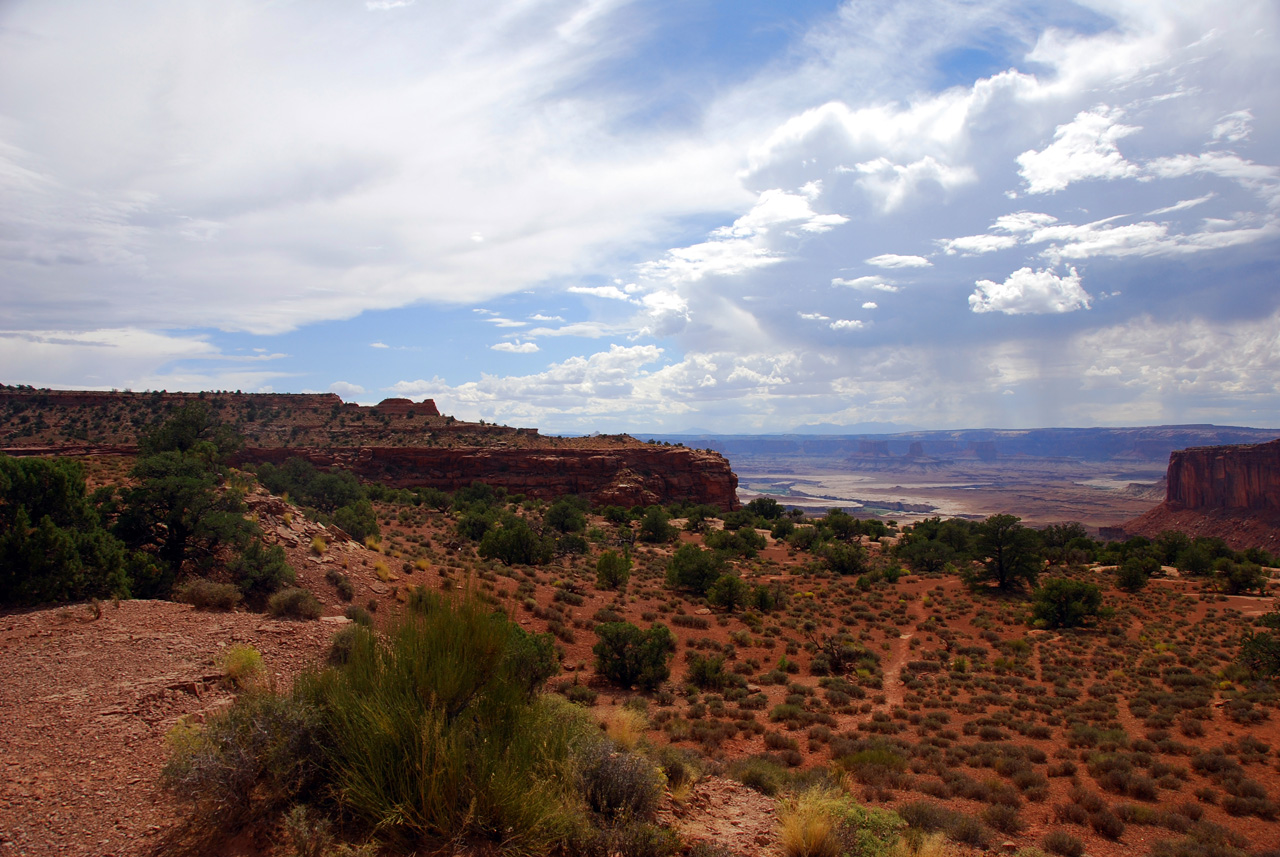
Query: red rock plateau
x=398, y=442
x=1232, y=492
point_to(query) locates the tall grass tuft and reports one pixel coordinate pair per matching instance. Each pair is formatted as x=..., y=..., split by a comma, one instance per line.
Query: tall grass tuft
x=433, y=733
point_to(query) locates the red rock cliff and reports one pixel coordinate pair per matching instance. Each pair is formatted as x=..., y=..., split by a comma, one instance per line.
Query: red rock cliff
x=1225, y=477
x=628, y=476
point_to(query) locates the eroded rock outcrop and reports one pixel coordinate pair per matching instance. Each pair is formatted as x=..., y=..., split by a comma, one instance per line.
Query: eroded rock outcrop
x=1228, y=492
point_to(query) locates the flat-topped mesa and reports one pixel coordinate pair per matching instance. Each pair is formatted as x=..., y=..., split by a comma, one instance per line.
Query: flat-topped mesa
x=1226, y=492
x=398, y=442
x=1225, y=477
x=633, y=474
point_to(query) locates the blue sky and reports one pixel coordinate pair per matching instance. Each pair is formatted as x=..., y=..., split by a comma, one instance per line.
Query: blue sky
x=601, y=215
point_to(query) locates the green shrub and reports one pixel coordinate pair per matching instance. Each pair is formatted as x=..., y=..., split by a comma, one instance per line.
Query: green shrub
x=515, y=542
x=728, y=592
x=760, y=773
x=346, y=589
x=655, y=526
x=845, y=558
x=693, y=568
x=206, y=595
x=1135, y=571
x=1004, y=819
x=241, y=666
x=613, y=570
x=295, y=603
x=629, y=656
x=52, y=544
x=433, y=731
x=260, y=570
x=1066, y=603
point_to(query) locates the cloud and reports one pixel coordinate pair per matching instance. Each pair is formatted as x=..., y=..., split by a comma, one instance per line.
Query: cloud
x=1023, y=221
x=378, y=345
x=1182, y=205
x=878, y=284
x=1234, y=127
x=1030, y=292
x=1084, y=148
x=749, y=243
x=346, y=390
x=847, y=324
x=894, y=183
x=1146, y=239
x=814, y=316
x=893, y=260
x=973, y=245
x=870, y=305
x=516, y=347
x=127, y=358
x=609, y=292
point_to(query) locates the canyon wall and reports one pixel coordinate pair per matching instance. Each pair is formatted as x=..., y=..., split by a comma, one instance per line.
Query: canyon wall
x=1226, y=492
x=1225, y=477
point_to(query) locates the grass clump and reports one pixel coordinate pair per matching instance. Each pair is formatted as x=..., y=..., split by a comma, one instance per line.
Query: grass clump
x=241, y=666
x=823, y=821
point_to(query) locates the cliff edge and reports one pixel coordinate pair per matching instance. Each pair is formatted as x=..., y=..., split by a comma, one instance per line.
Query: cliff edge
x=1232, y=492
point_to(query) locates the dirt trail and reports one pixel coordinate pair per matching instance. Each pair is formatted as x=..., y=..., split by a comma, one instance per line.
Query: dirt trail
x=728, y=814
x=899, y=654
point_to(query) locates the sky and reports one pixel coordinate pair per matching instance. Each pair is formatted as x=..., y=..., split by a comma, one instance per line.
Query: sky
x=655, y=215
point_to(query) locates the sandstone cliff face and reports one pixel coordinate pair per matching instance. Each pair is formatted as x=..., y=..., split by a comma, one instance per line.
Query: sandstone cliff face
x=1227, y=492
x=628, y=476
x=1225, y=477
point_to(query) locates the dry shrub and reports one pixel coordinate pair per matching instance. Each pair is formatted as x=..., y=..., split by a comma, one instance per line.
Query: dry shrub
x=206, y=595
x=295, y=603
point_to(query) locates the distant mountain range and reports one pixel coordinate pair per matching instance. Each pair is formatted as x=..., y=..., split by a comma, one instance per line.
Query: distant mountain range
x=1141, y=443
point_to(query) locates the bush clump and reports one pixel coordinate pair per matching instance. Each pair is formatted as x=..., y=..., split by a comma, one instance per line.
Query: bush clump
x=432, y=732
x=629, y=656
x=1063, y=844
x=204, y=594
x=617, y=783
x=295, y=603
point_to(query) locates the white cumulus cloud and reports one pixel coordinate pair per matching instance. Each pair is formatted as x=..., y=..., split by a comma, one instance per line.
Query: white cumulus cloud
x=1030, y=292
x=1084, y=148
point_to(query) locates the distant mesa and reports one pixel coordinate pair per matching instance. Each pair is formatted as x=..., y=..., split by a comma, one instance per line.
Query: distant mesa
x=398, y=441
